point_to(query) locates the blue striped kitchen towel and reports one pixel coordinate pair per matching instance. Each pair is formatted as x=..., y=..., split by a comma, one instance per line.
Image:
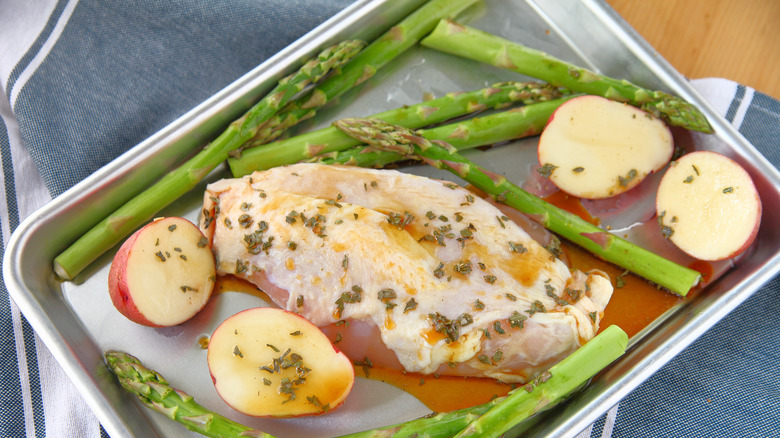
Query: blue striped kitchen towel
x=103, y=76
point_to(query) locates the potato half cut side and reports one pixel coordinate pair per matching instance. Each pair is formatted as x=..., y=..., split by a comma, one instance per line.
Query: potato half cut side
x=268, y=362
x=708, y=206
x=596, y=148
x=163, y=274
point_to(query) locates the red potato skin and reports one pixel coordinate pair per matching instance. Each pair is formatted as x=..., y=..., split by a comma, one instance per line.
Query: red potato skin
x=754, y=234
x=117, y=284
x=305, y=321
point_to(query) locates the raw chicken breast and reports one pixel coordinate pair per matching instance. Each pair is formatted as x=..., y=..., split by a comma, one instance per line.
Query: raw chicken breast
x=405, y=270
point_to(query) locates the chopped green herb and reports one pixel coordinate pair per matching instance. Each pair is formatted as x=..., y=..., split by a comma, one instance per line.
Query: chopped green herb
x=536, y=307
x=517, y=247
x=546, y=170
x=625, y=180
x=245, y=220
x=439, y=271
x=620, y=280
x=463, y=267
x=366, y=364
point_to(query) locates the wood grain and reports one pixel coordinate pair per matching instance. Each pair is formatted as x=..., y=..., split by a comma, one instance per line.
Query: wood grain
x=732, y=39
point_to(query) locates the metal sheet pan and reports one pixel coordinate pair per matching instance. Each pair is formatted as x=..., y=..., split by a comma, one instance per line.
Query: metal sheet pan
x=76, y=319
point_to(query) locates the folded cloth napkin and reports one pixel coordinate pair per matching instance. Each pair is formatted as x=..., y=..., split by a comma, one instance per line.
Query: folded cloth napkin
x=84, y=80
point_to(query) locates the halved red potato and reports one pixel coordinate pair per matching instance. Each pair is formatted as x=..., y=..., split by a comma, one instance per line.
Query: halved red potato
x=708, y=206
x=595, y=148
x=163, y=274
x=268, y=362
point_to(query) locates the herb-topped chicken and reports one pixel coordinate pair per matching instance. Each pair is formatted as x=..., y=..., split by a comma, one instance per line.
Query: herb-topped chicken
x=404, y=270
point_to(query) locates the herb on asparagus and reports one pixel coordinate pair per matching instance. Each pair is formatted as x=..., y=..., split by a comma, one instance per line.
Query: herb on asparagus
x=609, y=247
x=155, y=392
x=452, y=105
x=465, y=41
x=376, y=55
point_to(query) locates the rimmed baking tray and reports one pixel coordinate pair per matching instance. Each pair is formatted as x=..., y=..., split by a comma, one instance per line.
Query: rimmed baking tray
x=76, y=319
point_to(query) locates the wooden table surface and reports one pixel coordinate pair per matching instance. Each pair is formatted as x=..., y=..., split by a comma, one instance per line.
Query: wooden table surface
x=732, y=39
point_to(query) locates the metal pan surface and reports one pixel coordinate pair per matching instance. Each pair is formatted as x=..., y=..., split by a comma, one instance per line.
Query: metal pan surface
x=77, y=321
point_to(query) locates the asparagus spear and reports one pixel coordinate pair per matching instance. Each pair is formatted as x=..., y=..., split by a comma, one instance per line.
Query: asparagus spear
x=142, y=207
x=387, y=47
x=609, y=247
x=479, y=131
x=475, y=44
x=494, y=417
x=155, y=392
x=551, y=386
x=452, y=105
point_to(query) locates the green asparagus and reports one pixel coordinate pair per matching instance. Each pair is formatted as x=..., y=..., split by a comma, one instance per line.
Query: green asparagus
x=142, y=207
x=384, y=49
x=457, y=39
x=493, y=417
x=381, y=135
x=155, y=392
x=551, y=386
x=330, y=139
x=479, y=131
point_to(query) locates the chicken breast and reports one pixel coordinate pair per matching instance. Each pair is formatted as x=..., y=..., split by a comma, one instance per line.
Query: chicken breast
x=404, y=270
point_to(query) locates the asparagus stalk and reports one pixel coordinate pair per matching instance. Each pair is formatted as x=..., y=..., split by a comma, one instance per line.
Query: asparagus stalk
x=437, y=425
x=479, y=131
x=493, y=417
x=552, y=386
x=155, y=392
x=143, y=206
x=609, y=247
x=330, y=139
x=383, y=50
x=478, y=45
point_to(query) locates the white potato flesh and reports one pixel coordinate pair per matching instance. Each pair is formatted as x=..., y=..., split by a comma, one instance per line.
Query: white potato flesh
x=164, y=274
x=268, y=362
x=597, y=148
x=708, y=206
